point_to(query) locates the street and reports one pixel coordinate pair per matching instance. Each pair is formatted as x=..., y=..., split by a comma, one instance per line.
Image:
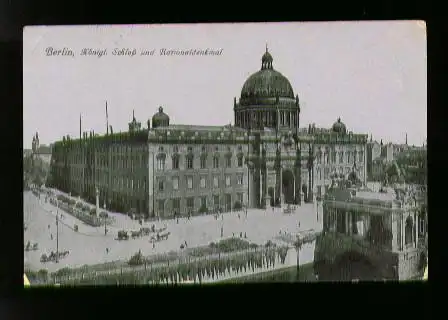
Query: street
x=88, y=245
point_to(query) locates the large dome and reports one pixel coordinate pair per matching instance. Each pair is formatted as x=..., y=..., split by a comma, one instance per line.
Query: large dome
x=267, y=82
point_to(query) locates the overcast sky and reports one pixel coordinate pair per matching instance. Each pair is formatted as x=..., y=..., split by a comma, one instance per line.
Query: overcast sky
x=371, y=74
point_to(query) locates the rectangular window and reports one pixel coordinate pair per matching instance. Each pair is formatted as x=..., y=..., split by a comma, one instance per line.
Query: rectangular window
x=203, y=162
x=161, y=206
x=216, y=200
x=228, y=180
x=239, y=179
x=204, y=202
x=215, y=182
x=190, y=182
x=175, y=183
x=203, y=182
x=176, y=205
x=190, y=203
x=161, y=186
x=240, y=198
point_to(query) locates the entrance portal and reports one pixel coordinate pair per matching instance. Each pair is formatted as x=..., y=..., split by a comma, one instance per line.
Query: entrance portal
x=288, y=186
x=271, y=196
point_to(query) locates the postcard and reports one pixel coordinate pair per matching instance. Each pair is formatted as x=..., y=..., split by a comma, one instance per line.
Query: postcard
x=224, y=153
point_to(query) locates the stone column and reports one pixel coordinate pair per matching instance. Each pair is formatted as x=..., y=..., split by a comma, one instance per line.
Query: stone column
x=416, y=229
x=97, y=200
x=402, y=232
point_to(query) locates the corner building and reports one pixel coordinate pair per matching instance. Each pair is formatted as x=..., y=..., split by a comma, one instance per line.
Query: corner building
x=264, y=159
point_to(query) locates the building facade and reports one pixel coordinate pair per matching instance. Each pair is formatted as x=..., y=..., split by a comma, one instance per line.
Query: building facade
x=264, y=159
x=384, y=231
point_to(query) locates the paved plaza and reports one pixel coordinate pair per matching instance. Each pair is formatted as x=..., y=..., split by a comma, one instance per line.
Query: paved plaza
x=88, y=245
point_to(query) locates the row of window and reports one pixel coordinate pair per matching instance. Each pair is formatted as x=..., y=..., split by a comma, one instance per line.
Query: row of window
x=326, y=172
x=203, y=149
x=330, y=157
x=189, y=162
x=202, y=182
x=190, y=202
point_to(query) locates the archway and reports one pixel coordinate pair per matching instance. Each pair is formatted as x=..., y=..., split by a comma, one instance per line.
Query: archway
x=271, y=196
x=408, y=231
x=305, y=192
x=288, y=186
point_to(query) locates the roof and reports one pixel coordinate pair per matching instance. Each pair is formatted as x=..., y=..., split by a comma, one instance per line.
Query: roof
x=190, y=127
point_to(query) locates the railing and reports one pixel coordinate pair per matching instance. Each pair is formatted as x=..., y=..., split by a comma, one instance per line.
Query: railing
x=142, y=272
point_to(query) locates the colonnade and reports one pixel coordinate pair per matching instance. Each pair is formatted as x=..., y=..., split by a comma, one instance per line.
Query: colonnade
x=266, y=118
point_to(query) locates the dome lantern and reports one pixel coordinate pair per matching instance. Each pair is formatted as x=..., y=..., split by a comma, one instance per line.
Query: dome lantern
x=266, y=60
x=160, y=119
x=339, y=127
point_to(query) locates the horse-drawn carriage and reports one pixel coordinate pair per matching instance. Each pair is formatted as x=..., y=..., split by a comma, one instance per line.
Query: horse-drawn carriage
x=136, y=234
x=160, y=236
x=145, y=231
x=30, y=247
x=122, y=235
x=53, y=256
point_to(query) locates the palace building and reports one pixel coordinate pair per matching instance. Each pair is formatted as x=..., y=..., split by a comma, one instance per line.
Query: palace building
x=264, y=159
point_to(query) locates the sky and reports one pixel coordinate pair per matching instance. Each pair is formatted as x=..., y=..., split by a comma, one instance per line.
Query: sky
x=370, y=74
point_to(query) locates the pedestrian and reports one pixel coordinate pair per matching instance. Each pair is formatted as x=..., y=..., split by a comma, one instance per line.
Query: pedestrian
x=233, y=234
x=299, y=224
x=177, y=220
x=107, y=250
x=48, y=226
x=51, y=236
x=222, y=231
x=245, y=236
x=241, y=234
x=239, y=217
x=186, y=245
x=153, y=244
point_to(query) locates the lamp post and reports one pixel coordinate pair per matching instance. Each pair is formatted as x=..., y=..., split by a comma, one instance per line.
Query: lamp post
x=57, y=232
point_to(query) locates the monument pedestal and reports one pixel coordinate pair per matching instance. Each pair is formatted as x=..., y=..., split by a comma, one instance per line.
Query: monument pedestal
x=267, y=202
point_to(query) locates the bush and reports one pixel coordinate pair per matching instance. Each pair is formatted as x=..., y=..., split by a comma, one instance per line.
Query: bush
x=79, y=205
x=92, y=211
x=137, y=259
x=103, y=214
x=63, y=272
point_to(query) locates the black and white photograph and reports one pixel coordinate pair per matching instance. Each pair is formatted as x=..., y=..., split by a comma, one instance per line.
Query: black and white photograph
x=225, y=153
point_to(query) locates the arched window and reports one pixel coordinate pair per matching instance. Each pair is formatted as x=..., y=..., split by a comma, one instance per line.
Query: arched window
x=408, y=232
x=240, y=160
x=216, y=161
x=175, y=161
x=341, y=156
x=203, y=161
